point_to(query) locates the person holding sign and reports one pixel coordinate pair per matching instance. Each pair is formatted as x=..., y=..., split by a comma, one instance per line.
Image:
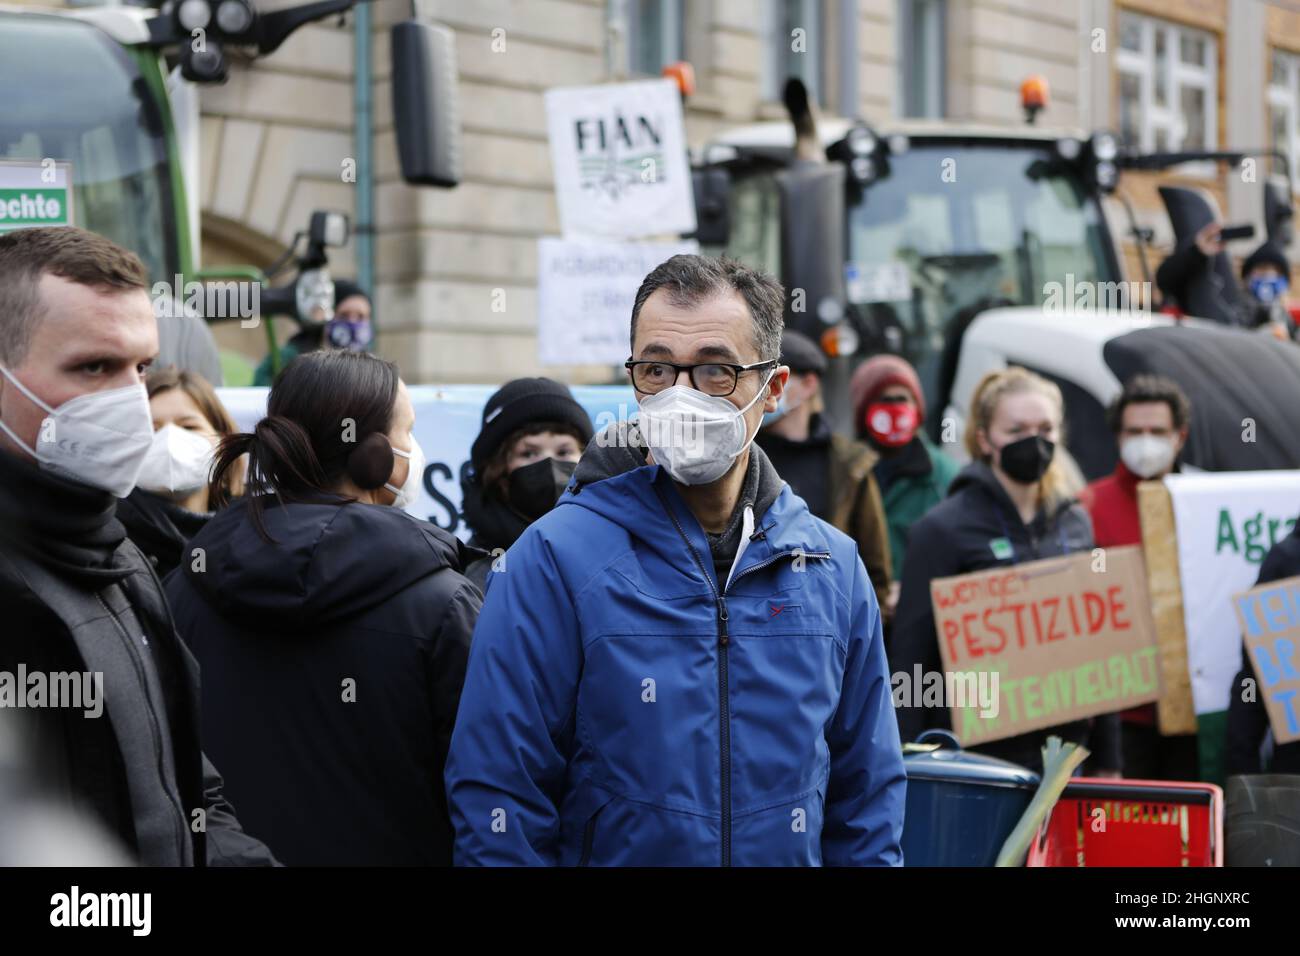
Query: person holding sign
x=1150, y=420
x=1248, y=719
x=1008, y=507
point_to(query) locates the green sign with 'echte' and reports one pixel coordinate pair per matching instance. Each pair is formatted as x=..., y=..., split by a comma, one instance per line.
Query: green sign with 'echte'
x=33, y=206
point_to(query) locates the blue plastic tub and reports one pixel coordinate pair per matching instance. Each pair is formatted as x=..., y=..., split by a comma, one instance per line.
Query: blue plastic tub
x=961, y=807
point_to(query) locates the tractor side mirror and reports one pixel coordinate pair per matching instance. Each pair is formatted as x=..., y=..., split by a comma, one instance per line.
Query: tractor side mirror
x=426, y=114
x=812, y=245
x=712, y=186
x=1278, y=211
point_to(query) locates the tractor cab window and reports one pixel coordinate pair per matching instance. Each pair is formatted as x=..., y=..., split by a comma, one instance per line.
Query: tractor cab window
x=954, y=229
x=74, y=95
x=755, y=213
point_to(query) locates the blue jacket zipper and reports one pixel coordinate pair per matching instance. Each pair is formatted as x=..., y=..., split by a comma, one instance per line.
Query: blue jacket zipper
x=724, y=695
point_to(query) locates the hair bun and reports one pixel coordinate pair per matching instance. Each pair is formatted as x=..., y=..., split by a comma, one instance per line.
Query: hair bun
x=371, y=463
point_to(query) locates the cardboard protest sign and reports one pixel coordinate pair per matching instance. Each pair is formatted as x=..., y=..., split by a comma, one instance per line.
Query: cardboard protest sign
x=1051, y=641
x=1175, y=711
x=1269, y=616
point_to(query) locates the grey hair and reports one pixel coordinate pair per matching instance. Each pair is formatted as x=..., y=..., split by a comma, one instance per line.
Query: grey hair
x=690, y=279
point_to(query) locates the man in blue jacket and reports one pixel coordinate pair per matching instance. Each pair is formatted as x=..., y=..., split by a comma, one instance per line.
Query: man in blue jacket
x=679, y=664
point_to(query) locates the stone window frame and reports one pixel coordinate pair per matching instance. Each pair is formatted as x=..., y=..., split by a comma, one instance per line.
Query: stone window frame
x=914, y=16
x=1179, y=75
x=672, y=16
x=1285, y=97
x=833, y=48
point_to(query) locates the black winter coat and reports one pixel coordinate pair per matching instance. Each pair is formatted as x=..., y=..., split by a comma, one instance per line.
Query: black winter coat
x=159, y=528
x=954, y=537
x=1248, y=721
x=78, y=597
x=1189, y=278
x=332, y=663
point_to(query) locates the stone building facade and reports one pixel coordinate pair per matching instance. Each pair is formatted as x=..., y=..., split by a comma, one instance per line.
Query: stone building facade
x=278, y=137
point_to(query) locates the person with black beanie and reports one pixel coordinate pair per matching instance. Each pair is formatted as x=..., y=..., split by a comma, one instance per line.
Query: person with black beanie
x=533, y=434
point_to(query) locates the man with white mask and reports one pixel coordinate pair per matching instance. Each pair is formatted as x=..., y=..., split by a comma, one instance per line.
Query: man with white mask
x=81, y=604
x=1150, y=421
x=679, y=664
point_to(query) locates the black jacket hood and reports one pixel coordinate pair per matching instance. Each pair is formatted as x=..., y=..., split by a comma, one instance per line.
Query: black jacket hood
x=327, y=562
x=979, y=475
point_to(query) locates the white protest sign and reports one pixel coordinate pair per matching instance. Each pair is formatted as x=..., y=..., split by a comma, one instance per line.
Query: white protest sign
x=619, y=157
x=35, y=192
x=585, y=291
x=447, y=420
x=1226, y=522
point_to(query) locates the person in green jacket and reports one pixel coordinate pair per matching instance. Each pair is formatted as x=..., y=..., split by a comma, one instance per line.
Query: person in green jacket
x=913, y=475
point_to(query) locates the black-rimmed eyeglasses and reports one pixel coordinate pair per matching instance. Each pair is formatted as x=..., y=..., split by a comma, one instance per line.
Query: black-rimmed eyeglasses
x=712, y=378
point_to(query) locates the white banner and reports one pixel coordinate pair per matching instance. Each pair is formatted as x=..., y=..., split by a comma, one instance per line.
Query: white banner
x=585, y=290
x=447, y=420
x=619, y=156
x=1226, y=522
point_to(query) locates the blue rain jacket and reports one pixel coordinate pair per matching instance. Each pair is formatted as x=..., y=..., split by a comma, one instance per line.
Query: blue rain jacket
x=622, y=707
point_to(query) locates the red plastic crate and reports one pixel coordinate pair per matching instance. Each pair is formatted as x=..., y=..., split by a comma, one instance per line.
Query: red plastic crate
x=1146, y=823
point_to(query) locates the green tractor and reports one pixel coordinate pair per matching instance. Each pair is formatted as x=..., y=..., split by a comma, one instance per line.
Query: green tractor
x=102, y=104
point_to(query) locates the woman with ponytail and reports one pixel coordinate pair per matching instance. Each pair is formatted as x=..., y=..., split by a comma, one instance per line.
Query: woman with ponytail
x=331, y=627
x=1012, y=504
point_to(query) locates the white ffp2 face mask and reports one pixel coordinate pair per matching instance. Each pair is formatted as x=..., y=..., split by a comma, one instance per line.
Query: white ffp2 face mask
x=410, y=490
x=178, y=462
x=1147, y=455
x=99, y=439
x=696, y=437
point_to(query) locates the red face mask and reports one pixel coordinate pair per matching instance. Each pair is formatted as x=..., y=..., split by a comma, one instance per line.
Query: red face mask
x=891, y=424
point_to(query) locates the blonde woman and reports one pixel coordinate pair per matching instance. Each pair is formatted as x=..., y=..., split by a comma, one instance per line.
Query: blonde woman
x=1013, y=503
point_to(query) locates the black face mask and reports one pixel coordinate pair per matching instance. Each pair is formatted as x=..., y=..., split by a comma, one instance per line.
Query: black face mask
x=535, y=488
x=1026, y=460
